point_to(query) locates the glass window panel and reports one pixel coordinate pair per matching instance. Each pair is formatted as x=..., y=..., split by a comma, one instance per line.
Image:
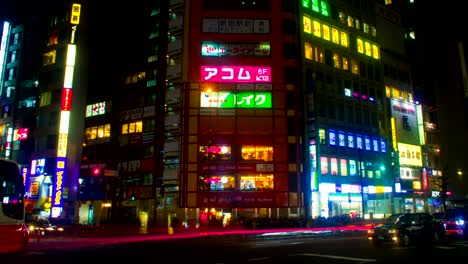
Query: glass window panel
x=352, y=168
x=139, y=127
x=343, y=167
x=100, y=132
x=107, y=130
x=124, y=129
x=93, y=132
x=332, y=136
x=308, y=51
x=323, y=165
x=334, y=166
x=256, y=182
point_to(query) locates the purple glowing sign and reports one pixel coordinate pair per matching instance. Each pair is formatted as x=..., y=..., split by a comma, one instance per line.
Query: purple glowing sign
x=248, y=74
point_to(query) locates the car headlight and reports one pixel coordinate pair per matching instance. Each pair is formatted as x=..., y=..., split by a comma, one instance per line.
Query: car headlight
x=392, y=231
x=31, y=228
x=370, y=231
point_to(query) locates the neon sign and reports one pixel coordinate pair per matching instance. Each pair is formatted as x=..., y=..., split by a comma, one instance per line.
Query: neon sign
x=218, y=49
x=58, y=183
x=235, y=74
x=66, y=99
x=236, y=100
x=21, y=134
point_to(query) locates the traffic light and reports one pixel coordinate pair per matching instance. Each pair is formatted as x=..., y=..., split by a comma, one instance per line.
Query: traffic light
x=132, y=197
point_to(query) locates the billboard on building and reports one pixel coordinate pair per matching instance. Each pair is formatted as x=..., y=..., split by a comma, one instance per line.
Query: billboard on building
x=406, y=124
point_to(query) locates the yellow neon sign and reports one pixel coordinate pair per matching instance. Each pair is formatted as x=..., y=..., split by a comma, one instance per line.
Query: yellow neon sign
x=75, y=14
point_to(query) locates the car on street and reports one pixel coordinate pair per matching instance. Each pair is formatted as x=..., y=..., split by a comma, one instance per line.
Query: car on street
x=407, y=229
x=454, y=220
x=43, y=226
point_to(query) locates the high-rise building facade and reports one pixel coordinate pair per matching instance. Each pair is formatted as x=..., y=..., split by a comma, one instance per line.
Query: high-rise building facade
x=232, y=126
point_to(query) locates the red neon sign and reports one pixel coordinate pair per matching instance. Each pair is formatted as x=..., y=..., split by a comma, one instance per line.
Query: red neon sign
x=21, y=134
x=66, y=99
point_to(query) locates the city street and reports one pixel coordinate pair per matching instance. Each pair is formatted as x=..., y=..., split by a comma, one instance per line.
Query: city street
x=323, y=247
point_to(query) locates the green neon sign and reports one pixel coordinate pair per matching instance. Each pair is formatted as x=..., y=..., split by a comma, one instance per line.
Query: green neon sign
x=248, y=99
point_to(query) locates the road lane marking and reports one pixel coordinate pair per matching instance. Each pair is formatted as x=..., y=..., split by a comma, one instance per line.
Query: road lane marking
x=256, y=259
x=445, y=247
x=337, y=257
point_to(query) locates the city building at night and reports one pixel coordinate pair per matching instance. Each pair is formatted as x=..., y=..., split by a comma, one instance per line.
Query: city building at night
x=214, y=112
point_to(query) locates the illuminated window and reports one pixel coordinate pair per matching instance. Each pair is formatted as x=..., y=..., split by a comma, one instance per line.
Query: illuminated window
x=94, y=132
x=48, y=58
x=257, y=182
x=341, y=139
x=383, y=145
x=350, y=21
x=53, y=40
x=96, y=109
x=335, y=36
x=100, y=131
x=345, y=64
x=107, y=130
x=45, y=98
x=334, y=166
x=307, y=25
x=317, y=29
x=365, y=27
x=332, y=136
x=375, y=144
x=368, y=49
x=342, y=17
x=97, y=132
x=323, y=165
x=359, y=142
x=352, y=168
x=326, y=32
x=375, y=51
x=369, y=170
x=132, y=128
x=251, y=152
x=214, y=152
x=343, y=167
x=308, y=51
x=367, y=143
x=350, y=141
x=347, y=92
x=316, y=5
x=124, y=129
x=322, y=136
x=360, y=45
x=336, y=60
x=216, y=183
x=354, y=66
x=357, y=24
x=139, y=127
x=324, y=8
x=344, y=39
x=373, y=31
x=319, y=55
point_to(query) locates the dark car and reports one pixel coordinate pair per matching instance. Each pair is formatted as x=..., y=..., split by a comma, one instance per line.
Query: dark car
x=43, y=227
x=454, y=220
x=406, y=229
